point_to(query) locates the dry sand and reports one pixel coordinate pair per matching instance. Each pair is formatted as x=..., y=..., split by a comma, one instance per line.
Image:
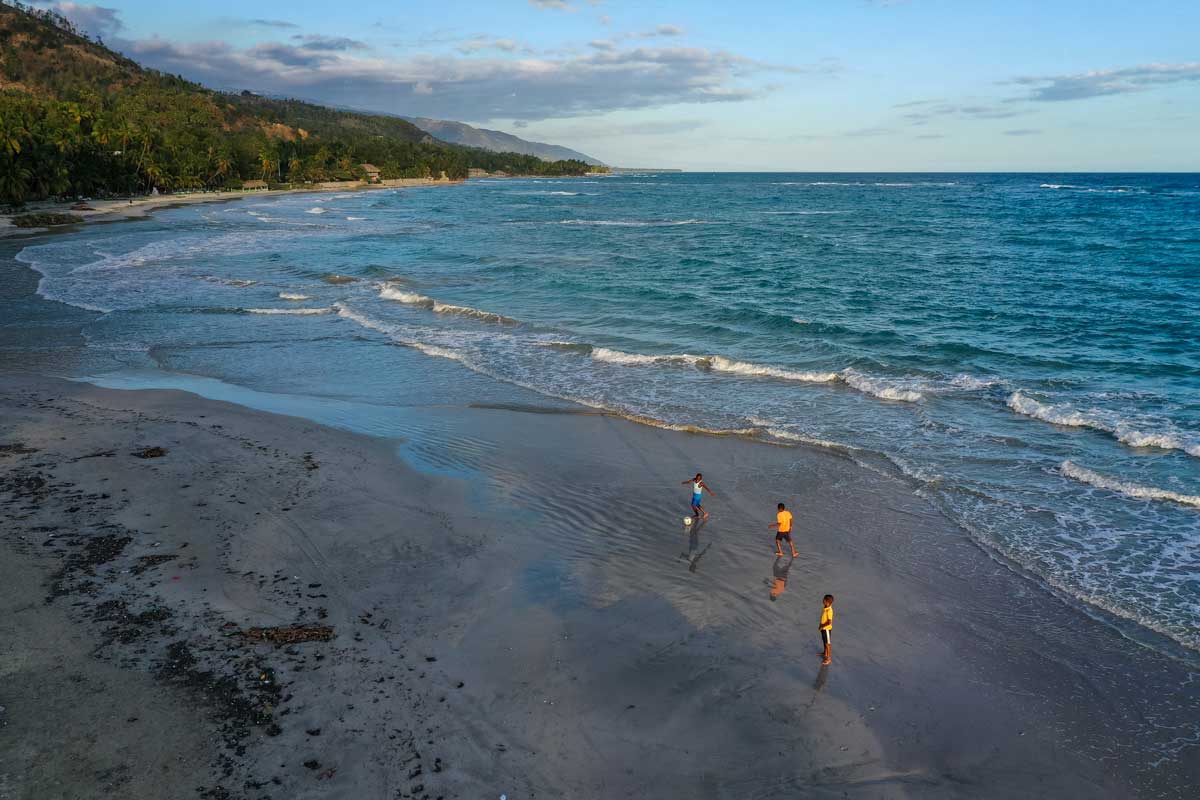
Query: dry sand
x=516, y=609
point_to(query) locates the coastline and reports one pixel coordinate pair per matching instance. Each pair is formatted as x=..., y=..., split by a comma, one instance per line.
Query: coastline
x=138, y=207
x=503, y=624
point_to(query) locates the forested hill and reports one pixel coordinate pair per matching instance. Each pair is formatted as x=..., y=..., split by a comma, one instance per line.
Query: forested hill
x=79, y=119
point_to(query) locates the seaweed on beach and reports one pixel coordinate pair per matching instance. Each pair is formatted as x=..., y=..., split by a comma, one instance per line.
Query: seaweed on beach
x=149, y=562
x=289, y=634
x=127, y=626
x=16, y=449
x=239, y=708
x=150, y=452
x=43, y=220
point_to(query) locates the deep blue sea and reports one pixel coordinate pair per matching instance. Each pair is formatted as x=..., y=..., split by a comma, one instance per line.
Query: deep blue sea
x=1025, y=349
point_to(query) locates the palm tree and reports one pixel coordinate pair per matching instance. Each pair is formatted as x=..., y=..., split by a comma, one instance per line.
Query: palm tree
x=264, y=158
x=14, y=181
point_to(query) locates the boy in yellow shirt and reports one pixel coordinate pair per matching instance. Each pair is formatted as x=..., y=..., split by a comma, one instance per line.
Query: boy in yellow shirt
x=826, y=627
x=783, y=530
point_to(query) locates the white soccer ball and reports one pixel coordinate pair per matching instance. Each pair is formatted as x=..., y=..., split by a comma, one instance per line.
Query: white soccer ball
x=687, y=521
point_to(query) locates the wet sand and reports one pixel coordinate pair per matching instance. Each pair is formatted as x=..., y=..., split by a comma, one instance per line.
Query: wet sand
x=516, y=609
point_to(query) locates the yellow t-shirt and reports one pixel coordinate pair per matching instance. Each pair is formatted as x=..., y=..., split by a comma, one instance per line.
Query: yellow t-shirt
x=785, y=521
x=827, y=618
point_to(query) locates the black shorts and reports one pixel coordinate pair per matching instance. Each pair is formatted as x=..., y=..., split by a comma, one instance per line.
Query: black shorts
x=825, y=637
x=781, y=535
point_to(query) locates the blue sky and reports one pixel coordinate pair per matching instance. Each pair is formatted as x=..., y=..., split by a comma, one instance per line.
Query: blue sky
x=756, y=85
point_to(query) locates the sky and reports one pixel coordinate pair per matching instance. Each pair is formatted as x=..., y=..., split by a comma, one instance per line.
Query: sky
x=777, y=85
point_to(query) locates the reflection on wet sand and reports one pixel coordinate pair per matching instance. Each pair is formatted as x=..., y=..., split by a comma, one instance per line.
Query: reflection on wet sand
x=779, y=576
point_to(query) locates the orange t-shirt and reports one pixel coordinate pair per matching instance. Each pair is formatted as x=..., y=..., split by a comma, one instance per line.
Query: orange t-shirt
x=785, y=521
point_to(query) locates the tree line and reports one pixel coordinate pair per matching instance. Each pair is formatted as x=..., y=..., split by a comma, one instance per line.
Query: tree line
x=78, y=120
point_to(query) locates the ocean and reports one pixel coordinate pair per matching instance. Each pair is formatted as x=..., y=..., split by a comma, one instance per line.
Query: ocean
x=1023, y=349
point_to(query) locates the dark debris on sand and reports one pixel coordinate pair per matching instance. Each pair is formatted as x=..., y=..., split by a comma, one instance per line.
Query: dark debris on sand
x=240, y=705
x=150, y=452
x=289, y=634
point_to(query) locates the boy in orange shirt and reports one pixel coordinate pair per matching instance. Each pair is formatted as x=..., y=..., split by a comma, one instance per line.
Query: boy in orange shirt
x=783, y=530
x=826, y=627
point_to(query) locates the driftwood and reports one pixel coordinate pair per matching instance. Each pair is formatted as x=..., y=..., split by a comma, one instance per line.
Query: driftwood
x=289, y=634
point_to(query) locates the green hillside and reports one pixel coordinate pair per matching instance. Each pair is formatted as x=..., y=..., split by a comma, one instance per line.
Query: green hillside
x=79, y=119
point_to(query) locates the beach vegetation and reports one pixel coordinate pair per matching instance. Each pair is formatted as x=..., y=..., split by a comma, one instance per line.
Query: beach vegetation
x=43, y=220
x=78, y=119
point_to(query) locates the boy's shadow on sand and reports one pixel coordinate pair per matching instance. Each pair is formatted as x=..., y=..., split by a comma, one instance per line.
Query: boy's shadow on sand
x=693, y=557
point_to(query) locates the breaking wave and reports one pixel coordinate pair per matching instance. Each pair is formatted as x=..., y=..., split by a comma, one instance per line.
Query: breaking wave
x=1084, y=475
x=414, y=299
x=856, y=380
x=634, y=223
x=1122, y=431
x=306, y=312
x=293, y=296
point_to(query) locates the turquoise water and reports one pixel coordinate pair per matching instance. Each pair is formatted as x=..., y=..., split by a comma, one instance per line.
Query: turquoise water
x=1024, y=348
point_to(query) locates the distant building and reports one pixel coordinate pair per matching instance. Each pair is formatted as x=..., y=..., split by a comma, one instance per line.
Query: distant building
x=373, y=174
x=254, y=186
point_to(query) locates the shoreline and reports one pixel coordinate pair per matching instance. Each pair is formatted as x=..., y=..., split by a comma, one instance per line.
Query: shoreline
x=494, y=632
x=104, y=211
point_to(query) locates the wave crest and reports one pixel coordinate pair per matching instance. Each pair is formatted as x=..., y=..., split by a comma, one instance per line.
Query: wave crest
x=293, y=311
x=1084, y=475
x=414, y=299
x=1123, y=432
x=852, y=378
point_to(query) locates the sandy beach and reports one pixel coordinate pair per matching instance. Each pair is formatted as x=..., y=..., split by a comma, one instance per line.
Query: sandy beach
x=117, y=210
x=505, y=603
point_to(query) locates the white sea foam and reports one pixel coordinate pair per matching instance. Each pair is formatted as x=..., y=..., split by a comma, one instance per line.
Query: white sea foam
x=315, y=210
x=235, y=282
x=356, y=219
x=801, y=213
x=636, y=359
x=792, y=436
x=868, y=385
x=633, y=223
x=412, y=298
x=1123, y=431
x=294, y=311
x=879, y=388
x=397, y=335
x=401, y=296
x=1084, y=475
x=722, y=364
x=964, y=381
x=293, y=296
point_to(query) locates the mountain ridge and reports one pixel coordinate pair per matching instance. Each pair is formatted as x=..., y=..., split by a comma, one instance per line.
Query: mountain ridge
x=497, y=141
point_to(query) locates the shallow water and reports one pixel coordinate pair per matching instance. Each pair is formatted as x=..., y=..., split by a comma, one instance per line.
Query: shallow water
x=1024, y=347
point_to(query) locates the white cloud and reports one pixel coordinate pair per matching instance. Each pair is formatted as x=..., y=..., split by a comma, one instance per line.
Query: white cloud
x=1099, y=83
x=475, y=88
x=483, y=42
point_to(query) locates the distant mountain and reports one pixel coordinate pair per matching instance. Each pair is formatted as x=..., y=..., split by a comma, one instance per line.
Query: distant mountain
x=497, y=141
